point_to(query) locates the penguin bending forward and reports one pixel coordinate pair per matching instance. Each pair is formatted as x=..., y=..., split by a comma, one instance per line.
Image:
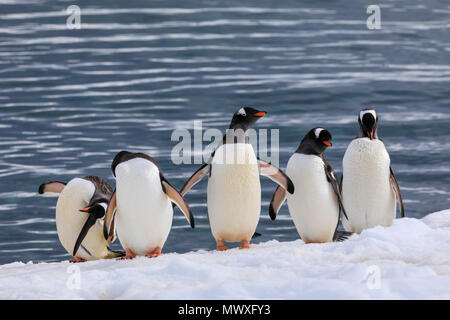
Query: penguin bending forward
x=234, y=189
x=316, y=204
x=369, y=186
x=141, y=206
x=80, y=210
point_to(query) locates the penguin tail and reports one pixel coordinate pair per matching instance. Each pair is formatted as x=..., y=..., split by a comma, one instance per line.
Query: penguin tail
x=114, y=254
x=256, y=235
x=340, y=236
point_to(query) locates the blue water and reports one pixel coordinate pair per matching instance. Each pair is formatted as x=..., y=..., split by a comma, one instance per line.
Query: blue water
x=71, y=99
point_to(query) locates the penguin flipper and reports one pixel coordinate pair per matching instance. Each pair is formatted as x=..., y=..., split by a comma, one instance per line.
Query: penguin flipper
x=195, y=178
x=397, y=191
x=51, y=187
x=340, y=236
x=331, y=177
x=109, y=224
x=275, y=174
x=278, y=198
x=178, y=199
x=256, y=235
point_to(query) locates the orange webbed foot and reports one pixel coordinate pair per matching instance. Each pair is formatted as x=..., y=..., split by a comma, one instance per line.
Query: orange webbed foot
x=245, y=244
x=221, y=246
x=154, y=253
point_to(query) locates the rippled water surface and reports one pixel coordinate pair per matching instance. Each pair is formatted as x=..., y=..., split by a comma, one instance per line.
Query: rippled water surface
x=137, y=70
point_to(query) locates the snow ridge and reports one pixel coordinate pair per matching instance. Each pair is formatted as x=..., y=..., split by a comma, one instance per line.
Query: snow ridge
x=409, y=260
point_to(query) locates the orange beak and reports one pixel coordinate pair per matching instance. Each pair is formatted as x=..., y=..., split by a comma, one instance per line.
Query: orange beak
x=260, y=114
x=370, y=134
x=85, y=209
x=327, y=143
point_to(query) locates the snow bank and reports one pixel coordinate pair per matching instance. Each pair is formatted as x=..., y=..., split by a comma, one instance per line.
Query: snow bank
x=410, y=260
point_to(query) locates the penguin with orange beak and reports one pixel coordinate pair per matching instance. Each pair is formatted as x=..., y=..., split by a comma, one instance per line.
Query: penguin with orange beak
x=80, y=212
x=234, y=188
x=316, y=205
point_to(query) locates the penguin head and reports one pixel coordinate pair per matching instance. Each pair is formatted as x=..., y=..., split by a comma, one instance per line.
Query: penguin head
x=245, y=118
x=97, y=210
x=315, y=142
x=368, y=123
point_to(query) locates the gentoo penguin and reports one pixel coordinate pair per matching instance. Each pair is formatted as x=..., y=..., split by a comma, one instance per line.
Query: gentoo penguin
x=368, y=182
x=316, y=204
x=143, y=204
x=234, y=189
x=80, y=210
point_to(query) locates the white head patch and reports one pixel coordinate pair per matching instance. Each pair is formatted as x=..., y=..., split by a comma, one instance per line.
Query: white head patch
x=317, y=132
x=241, y=111
x=363, y=112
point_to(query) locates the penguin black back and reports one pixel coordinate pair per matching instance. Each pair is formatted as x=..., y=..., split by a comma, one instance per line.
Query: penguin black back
x=123, y=156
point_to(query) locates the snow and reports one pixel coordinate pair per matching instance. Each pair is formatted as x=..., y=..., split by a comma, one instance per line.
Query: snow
x=409, y=260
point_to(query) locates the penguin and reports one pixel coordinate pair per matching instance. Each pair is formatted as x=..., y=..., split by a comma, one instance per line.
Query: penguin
x=234, y=189
x=368, y=183
x=316, y=204
x=80, y=210
x=141, y=206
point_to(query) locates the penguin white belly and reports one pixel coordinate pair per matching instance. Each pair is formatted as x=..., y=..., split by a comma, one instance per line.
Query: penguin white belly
x=69, y=221
x=234, y=193
x=313, y=206
x=144, y=212
x=368, y=196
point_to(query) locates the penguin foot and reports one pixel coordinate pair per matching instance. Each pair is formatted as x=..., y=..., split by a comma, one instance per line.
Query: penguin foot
x=245, y=245
x=154, y=253
x=129, y=255
x=76, y=260
x=221, y=246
